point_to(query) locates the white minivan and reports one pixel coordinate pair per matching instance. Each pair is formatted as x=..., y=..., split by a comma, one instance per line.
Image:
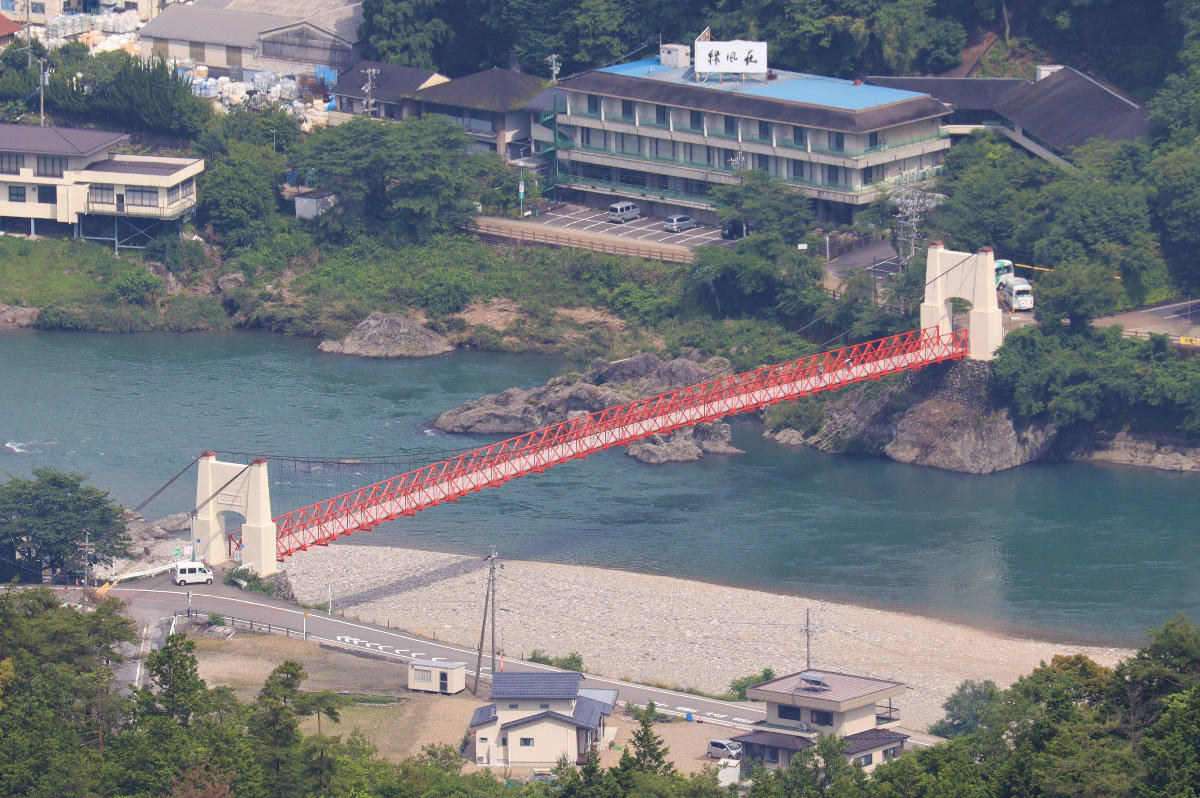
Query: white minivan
x=623, y=211
x=191, y=572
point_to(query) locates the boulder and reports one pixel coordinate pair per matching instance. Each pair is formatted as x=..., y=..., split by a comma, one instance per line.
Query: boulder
x=15, y=316
x=231, y=280
x=389, y=335
x=685, y=445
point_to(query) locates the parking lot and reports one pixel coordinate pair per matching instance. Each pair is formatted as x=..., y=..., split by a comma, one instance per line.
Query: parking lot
x=645, y=229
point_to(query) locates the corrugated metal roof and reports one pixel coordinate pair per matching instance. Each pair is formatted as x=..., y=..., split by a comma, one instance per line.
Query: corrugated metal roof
x=509, y=684
x=701, y=97
x=788, y=742
x=872, y=738
x=607, y=697
x=965, y=94
x=588, y=711
x=426, y=663
x=32, y=140
x=841, y=686
x=483, y=715
x=8, y=27
x=199, y=23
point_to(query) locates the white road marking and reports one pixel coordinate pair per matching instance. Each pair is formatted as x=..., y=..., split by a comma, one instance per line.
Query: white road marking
x=743, y=720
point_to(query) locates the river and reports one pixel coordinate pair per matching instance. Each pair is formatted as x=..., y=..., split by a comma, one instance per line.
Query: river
x=1069, y=551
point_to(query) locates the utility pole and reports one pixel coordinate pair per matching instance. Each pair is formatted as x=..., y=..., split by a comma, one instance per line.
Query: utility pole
x=552, y=59
x=369, y=91
x=41, y=92
x=807, y=640
x=28, y=37
x=488, y=602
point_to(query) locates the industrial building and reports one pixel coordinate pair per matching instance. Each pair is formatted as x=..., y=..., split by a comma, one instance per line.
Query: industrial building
x=261, y=35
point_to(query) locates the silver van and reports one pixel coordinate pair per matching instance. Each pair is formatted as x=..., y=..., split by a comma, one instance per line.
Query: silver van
x=724, y=749
x=623, y=211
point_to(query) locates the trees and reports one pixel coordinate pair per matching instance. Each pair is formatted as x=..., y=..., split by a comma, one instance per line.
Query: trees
x=237, y=193
x=1076, y=292
x=412, y=179
x=966, y=708
x=647, y=752
x=766, y=204
x=44, y=522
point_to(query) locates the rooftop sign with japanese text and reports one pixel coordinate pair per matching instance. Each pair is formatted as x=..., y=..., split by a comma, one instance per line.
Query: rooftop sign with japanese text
x=735, y=57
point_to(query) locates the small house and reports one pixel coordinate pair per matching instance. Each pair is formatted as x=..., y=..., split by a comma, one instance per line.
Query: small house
x=436, y=676
x=312, y=203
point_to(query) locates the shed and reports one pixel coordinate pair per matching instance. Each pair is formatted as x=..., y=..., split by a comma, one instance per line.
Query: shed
x=436, y=676
x=314, y=202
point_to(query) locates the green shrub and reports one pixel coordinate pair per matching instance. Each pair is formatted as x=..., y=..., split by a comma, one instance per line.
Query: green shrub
x=216, y=619
x=186, y=313
x=571, y=662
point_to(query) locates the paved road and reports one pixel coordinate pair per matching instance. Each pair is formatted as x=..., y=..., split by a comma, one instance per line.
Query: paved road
x=153, y=601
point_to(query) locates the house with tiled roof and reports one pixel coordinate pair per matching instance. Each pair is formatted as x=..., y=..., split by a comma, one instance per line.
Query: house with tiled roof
x=536, y=718
x=801, y=705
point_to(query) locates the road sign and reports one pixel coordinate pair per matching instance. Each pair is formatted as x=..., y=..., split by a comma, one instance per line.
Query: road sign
x=1189, y=341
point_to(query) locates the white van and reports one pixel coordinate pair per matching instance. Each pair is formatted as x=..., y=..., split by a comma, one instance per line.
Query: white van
x=1017, y=293
x=190, y=572
x=623, y=211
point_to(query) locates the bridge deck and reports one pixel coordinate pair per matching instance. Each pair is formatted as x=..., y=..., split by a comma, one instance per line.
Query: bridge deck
x=534, y=452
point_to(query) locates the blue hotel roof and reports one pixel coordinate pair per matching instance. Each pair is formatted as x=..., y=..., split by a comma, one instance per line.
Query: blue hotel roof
x=794, y=87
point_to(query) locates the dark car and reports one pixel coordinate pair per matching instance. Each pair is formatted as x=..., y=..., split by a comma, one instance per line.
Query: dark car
x=735, y=229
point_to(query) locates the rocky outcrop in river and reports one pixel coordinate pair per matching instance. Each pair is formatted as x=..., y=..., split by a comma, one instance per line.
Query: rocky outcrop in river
x=603, y=385
x=389, y=335
x=943, y=417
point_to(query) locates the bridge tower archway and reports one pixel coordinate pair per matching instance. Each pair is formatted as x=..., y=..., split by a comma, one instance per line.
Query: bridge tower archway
x=227, y=489
x=953, y=275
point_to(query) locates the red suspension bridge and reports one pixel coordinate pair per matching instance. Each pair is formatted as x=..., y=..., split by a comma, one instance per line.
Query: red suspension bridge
x=534, y=452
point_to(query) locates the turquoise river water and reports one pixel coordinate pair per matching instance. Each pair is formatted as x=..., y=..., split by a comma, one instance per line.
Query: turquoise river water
x=1068, y=551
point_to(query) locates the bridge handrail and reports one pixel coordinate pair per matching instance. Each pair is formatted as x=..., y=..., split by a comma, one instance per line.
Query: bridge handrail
x=614, y=426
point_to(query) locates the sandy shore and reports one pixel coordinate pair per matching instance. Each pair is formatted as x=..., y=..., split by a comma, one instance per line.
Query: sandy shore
x=662, y=629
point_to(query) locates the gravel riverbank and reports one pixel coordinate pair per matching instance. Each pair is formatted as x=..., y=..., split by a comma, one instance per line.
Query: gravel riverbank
x=663, y=629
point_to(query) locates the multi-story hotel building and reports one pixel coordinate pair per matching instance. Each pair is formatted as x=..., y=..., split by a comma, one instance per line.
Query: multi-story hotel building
x=659, y=132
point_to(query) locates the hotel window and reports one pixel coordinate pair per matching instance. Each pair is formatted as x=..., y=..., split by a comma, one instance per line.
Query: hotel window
x=47, y=195
x=51, y=165
x=585, y=136
x=731, y=126
x=800, y=136
x=422, y=675
x=593, y=104
x=799, y=168
x=630, y=143
x=696, y=120
x=16, y=193
x=868, y=175
x=662, y=114
x=833, y=174
x=820, y=717
x=837, y=141
x=627, y=109
x=11, y=163
x=144, y=196
x=514, y=706
x=764, y=130
x=873, y=139
x=101, y=192
x=762, y=162
x=526, y=742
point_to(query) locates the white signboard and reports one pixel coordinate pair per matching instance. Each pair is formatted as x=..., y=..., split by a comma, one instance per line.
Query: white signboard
x=735, y=57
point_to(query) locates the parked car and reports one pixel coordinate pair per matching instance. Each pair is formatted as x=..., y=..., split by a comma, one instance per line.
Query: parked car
x=678, y=223
x=735, y=229
x=624, y=211
x=724, y=749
